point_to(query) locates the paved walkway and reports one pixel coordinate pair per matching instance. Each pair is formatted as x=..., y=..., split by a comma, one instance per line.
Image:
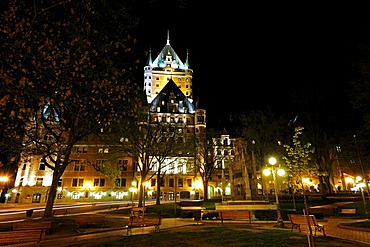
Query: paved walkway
x=332, y=229
x=332, y=226
x=117, y=232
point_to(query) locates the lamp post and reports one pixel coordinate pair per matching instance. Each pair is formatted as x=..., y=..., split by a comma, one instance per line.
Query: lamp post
x=132, y=190
x=280, y=172
x=361, y=186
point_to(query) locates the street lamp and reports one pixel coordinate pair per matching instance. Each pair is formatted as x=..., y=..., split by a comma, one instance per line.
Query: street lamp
x=361, y=186
x=280, y=172
x=132, y=190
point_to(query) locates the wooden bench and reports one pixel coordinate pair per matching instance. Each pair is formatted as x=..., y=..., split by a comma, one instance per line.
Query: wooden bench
x=114, y=207
x=298, y=220
x=22, y=236
x=90, y=220
x=245, y=205
x=137, y=222
x=33, y=225
x=348, y=211
x=234, y=215
x=318, y=227
x=138, y=211
x=60, y=211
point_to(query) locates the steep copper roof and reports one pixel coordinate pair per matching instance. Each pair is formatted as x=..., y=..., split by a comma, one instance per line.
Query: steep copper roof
x=171, y=100
x=160, y=61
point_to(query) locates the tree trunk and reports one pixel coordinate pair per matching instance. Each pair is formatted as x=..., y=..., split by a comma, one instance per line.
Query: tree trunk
x=158, y=190
x=323, y=188
x=205, y=190
x=140, y=204
x=48, y=213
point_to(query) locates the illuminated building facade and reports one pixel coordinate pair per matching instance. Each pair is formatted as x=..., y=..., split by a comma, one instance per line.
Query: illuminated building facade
x=169, y=94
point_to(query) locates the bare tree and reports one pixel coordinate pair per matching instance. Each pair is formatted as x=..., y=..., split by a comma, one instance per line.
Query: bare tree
x=207, y=157
x=156, y=149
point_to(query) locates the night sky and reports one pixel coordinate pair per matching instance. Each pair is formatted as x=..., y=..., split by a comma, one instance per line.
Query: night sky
x=253, y=57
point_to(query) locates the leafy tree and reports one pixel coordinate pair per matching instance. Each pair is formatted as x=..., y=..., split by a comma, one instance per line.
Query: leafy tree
x=298, y=161
x=266, y=131
x=358, y=92
x=70, y=78
x=109, y=168
x=319, y=111
x=263, y=133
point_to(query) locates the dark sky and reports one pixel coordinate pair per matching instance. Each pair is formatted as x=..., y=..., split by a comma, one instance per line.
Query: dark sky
x=248, y=57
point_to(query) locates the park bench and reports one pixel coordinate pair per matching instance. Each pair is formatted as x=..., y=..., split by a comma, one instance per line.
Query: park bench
x=33, y=225
x=348, y=211
x=89, y=220
x=114, y=207
x=318, y=227
x=22, y=236
x=249, y=207
x=60, y=211
x=235, y=215
x=138, y=211
x=298, y=220
x=147, y=221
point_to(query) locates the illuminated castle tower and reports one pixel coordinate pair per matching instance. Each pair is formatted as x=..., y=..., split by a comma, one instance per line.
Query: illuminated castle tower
x=167, y=66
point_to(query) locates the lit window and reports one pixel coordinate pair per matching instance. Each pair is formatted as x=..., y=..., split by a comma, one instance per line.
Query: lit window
x=189, y=182
x=99, y=182
x=39, y=181
x=80, y=182
x=180, y=182
x=123, y=182
x=42, y=165
x=122, y=165
x=77, y=182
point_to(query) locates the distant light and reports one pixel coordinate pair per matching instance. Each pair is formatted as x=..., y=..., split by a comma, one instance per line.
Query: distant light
x=281, y=172
x=272, y=161
x=267, y=172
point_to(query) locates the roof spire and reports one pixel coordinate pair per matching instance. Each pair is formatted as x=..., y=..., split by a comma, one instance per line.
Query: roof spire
x=168, y=37
x=187, y=59
x=150, y=61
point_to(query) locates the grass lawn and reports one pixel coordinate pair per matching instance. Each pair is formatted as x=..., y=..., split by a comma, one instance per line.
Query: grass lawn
x=215, y=235
x=207, y=235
